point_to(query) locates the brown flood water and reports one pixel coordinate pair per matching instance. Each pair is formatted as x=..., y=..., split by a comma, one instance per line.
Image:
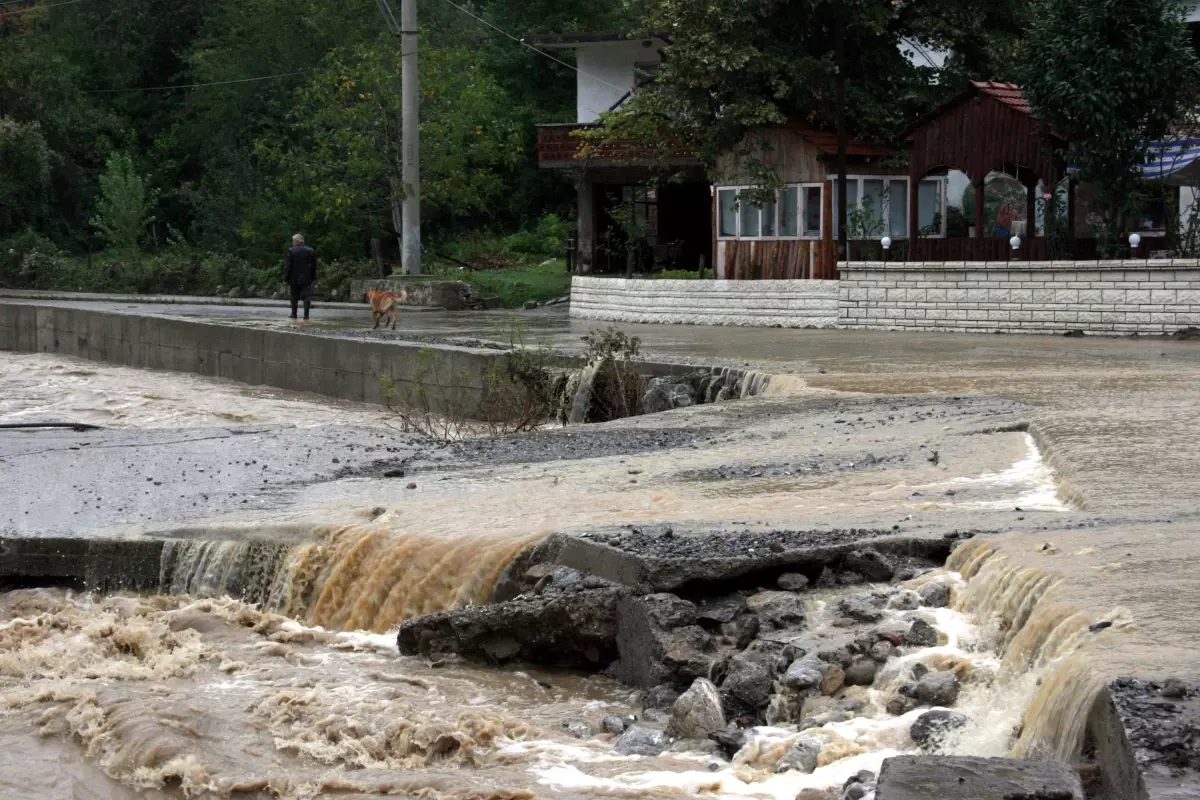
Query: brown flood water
x=105, y=698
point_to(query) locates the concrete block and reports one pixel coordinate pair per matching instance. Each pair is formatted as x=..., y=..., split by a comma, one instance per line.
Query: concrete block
x=1137, y=297
x=1066, y=295
x=1115, y=296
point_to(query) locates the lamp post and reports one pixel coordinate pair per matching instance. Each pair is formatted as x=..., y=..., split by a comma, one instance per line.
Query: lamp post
x=1135, y=241
x=886, y=243
x=1015, y=243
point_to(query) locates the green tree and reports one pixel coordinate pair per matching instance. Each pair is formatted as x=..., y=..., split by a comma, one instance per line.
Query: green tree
x=125, y=204
x=340, y=160
x=732, y=66
x=1110, y=76
x=25, y=161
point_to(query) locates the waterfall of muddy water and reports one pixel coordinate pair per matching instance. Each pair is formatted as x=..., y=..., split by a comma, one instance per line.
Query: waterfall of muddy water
x=360, y=577
x=172, y=696
x=1041, y=637
x=581, y=398
x=49, y=388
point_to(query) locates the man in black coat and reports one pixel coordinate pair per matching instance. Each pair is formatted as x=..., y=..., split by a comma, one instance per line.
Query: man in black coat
x=300, y=272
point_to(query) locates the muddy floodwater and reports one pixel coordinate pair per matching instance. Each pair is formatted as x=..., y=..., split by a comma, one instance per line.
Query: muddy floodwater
x=1072, y=463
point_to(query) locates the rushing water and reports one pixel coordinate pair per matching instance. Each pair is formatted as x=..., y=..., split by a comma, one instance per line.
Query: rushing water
x=195, y=694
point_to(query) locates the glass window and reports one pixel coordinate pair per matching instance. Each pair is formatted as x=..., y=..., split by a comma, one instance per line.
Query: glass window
x=897, y=209
x=930, y=213
x=768, y=219
x=751, y=220
x=812, y=211
x=851, y=202
x=789, y=211
x=728, y=218
x=872, y=207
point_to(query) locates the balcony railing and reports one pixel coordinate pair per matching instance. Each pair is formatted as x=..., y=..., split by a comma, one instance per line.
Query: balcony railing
x=559, y=147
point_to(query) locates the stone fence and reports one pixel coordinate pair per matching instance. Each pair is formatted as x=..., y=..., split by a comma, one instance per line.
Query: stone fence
x=1112, y=297
x=768, y=304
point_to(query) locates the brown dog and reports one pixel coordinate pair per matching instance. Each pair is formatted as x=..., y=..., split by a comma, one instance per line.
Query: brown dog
x=383, y=306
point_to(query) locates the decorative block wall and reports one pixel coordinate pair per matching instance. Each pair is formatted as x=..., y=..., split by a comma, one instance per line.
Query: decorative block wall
x=1113, y=297
x=767, y=304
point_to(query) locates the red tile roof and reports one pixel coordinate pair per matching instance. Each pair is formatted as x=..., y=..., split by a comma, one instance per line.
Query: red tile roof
x=1007, y=93
x=827, y=143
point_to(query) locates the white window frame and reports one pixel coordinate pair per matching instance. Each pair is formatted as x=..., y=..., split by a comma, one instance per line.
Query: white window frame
x=800, y=187
x=858, y=180
x=943, y=183
x=803, y=208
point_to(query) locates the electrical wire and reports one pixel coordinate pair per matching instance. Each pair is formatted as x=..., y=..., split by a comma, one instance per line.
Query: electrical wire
x=169, y=88
x=38, y=8
x=524, y=43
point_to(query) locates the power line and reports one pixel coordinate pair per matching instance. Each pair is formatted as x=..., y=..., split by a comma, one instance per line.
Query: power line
x=39, y=8
x=169, y=88
x=524, y=43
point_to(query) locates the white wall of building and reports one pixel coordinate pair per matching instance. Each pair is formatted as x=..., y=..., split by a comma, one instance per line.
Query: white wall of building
x=606, y=73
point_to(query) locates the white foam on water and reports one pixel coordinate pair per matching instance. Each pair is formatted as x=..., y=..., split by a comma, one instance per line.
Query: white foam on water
x=1028, y=484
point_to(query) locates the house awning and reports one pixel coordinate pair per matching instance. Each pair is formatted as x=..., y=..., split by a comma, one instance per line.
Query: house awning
x=1174, y=161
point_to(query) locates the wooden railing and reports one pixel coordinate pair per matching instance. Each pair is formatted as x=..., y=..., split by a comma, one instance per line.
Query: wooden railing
x=558, y=146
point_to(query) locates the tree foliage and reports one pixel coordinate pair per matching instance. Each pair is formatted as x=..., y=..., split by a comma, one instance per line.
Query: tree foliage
x=25, y=161
x=1109, y=76
x=731, y=66
x=125, y=204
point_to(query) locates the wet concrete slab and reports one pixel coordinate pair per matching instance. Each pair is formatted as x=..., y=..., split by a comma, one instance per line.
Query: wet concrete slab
x=96, y=483
x=964, y=778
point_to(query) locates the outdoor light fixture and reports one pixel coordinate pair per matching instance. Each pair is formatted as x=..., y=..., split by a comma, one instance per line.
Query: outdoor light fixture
x=1134, y=240
x=1015, y=242
x=886, y=242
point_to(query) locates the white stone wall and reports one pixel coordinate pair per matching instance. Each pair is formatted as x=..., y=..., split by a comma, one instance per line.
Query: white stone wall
x=1112, y=297
x=766, y=304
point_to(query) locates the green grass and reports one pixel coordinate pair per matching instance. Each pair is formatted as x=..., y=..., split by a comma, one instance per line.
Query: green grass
x=516, y=284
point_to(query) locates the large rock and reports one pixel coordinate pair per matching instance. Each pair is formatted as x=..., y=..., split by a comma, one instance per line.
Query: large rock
x=935, y=594
x=930, y=729
x=904, y=600
x=862, y=607
x=804, y=673
x=792, y=582
x=748, y=685
x=938, y=689
x=697, y=712
x=658, y=642
x=970, y=778
x=664, y=394
x=639, y=741
x=861, y=672
x=921, y=634
x=576, y=630
x=802, y=755
x=778, y=609
x=870, y=563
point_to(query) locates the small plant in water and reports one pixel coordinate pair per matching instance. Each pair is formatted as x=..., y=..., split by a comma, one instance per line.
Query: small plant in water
x=611, y=342
x=516, y=395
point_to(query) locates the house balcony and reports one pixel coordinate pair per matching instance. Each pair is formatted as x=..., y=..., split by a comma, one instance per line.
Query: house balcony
x=560, y=148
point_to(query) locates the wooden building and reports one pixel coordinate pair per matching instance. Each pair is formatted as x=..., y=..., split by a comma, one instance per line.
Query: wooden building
x=794, y=236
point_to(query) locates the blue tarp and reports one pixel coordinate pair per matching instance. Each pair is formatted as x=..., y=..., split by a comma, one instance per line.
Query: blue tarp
x=1171, y=157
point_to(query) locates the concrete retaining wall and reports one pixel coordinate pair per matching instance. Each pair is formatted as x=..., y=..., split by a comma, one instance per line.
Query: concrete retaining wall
x=345, y=369
x=1113, y=297
x=768, y=304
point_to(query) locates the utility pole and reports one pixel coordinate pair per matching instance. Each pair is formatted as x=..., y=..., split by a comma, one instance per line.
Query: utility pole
x=840, y=211
x=410, y=131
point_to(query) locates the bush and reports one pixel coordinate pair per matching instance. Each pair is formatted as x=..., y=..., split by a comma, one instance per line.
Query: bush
x=14, y=249
x=546, y=240
x=679, y=275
